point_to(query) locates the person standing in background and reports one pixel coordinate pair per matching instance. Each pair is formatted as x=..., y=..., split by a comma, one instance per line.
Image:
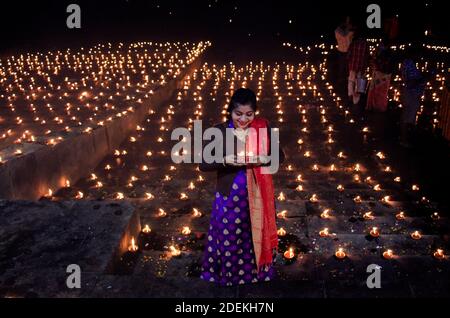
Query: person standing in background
x=382, y=67
x=413, y=88
x=344, y=36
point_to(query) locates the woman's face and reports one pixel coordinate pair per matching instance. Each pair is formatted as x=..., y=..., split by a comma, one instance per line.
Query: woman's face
x=242, y=116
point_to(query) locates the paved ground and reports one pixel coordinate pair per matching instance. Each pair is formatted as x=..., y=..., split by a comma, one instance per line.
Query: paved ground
x=299, y=100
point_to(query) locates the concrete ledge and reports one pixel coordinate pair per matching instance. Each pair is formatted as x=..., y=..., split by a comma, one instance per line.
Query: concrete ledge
x=40, y=168
x=43, y=238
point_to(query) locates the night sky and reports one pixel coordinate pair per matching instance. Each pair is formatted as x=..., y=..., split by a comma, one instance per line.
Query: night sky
x=41, y=24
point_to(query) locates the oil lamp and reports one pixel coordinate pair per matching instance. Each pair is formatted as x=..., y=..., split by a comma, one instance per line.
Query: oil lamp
x=377, y=187
x=388, y=254
x=374, y=232
x=397, y=179
x=315, y=167
x=282, y=214
x=79, y=195
x=435, y=216
x=314, y=198
x=340, y=188
x=368, y=216
x=415, y=187
x=146, y=229
x=400, y=216
x=196, y=213
x=133, y=247
x=281, y=197
x=340, y=253
x=161, y=213
x=174, y=251
x=289, y=254
x=416, y=235
x=357, y=199
x=185, y=230
x=324, y=232
x=325, y=214
x=281, y=232
x=439, y=254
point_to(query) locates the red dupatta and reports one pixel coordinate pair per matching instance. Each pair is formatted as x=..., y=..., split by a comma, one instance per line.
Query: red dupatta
x=261, y=197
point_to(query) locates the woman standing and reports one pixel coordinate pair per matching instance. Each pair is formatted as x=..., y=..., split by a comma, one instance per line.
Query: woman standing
x=377, y=97
x=242, y=235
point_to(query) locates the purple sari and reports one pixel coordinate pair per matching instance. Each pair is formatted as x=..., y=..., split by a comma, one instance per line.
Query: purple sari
x=229, y=258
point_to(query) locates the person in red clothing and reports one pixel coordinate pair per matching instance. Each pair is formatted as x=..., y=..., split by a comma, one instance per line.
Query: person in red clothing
x=358, y=56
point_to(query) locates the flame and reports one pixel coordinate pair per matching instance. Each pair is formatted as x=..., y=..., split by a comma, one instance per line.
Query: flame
x=161, y=212
x=186, y=230
x=281, y=232
x=133, y=247
x=146, y=229
x=196, y=213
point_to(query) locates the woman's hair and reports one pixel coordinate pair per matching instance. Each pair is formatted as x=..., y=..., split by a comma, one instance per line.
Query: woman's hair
x=242, y=96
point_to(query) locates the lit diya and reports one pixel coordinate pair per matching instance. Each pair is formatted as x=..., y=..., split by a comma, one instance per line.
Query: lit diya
x=400, y=216
x=196, y=213
x=435, y=216
x=388, y=254
x=416, y=235
x=299, y=188
x=340, y=254
x=281, y=197
x=133, y=247
x=281, y=232
x=314, y=198
x=439, y=254
x=161, y=213
x=289, y=256
x=340, y=188
x=185, y=230
x=357, y=199
x=324, y=233
x=183, y=196
x=174, y=251
x=146, y=229
x=325, y=214
x=374, y=232
x=368, y=216
x=282, y=214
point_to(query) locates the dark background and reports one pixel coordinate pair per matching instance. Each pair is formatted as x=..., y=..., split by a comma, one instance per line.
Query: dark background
x=28, y=25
